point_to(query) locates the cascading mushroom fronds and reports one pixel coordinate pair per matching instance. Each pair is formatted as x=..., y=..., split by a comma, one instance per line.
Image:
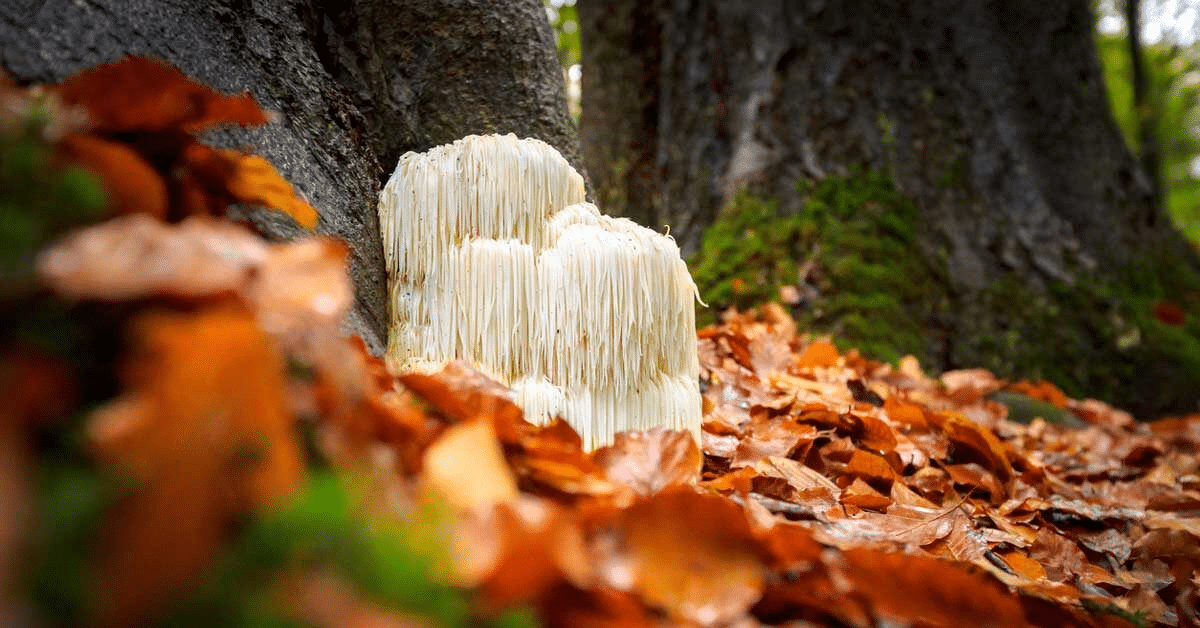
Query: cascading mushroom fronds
x=494, y=258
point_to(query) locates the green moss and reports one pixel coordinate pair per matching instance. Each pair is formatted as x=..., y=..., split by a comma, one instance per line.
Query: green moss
x=855, y=238
x=1098, y=337
x=855, y=253
x=39, y=198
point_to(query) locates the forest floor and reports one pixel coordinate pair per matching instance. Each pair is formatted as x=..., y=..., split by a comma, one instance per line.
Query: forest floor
x=230, y=458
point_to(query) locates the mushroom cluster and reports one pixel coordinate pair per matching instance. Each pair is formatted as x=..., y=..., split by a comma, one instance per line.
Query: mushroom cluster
x=494, y=258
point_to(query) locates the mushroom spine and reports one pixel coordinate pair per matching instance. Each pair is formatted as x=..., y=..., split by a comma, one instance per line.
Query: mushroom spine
x=494, y=257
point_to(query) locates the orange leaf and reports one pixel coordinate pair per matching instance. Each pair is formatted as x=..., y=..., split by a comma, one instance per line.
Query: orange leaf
x=246, y=178
x=820, y=353
x=983, y=443
x=861, y=494
x=876, y=435
x=935, y=592
x=461, y=394
x=1024, y=565
x=870, y=467
x=133, y=185
x=692, y=555
x=905, y=413
x=466, y=468
x=650, y=461
x=145, y=94
x=205, y=431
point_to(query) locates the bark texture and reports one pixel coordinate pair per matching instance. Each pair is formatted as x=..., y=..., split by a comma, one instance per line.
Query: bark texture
x=991, y=116
x=358, y=83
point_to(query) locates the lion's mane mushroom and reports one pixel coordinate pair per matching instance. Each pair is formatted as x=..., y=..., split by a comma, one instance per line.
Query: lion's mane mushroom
x=494, y=258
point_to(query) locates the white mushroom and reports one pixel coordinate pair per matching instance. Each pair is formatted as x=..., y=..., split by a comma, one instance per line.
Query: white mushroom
x=494, y=258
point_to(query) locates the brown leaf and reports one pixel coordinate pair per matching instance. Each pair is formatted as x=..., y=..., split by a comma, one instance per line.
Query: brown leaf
x=820, y=353
x=936, y=592
x=1164, y=543
x=139, y=256
x=541, y=548
x=982, y=443
x=650, y=461
x=205, y=432
x=977, y=479
x=132, y=184
x=145, y=94
x=772, y=437
x=1059, y=556
x=230, y=176
x=691, y=555
x=465, y=468
x=302, y=288
x=875, y=434
x=860, y=494
x=462, y=393
x=905, y=413
x=871, y=468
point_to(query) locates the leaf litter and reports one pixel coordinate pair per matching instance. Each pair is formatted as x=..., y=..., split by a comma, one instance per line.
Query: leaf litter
x=828, y=488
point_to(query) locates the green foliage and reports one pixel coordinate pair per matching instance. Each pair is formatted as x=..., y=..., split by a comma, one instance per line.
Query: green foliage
x=71, y=501
x=1174, y=93
x=390, y=563
x=38, y=198
x=564, y=18
x=858, y=237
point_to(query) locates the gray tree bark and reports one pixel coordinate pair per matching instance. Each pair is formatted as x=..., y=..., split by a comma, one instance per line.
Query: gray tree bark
x=686, y=101
x=358, y=83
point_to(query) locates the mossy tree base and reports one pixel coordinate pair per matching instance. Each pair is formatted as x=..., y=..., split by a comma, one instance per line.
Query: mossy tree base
x=854, y=265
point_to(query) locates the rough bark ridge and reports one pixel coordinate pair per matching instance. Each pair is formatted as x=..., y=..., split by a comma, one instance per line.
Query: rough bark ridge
x=357, y=84
x=991, y=116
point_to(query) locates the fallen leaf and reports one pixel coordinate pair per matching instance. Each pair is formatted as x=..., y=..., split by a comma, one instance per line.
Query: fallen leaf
x=138, y=256
x=861, y=494
x=230, y=176
x=205, y=433
x=139, y=93
x=691, y=555
x=1059, y=556
x=132, y=184
x=817, y=354
x=465, y=468
x=650, y=461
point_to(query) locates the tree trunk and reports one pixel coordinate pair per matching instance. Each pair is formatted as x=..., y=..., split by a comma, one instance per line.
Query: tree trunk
x=1143, y=105
x=357, y=83
x=990, y=117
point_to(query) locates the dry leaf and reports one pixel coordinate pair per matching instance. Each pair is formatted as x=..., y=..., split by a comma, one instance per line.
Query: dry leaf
x=132, y=184
x=205, y=432
x=650, y=461
x=689, y=554
x=145, y=94
x=465, y=468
